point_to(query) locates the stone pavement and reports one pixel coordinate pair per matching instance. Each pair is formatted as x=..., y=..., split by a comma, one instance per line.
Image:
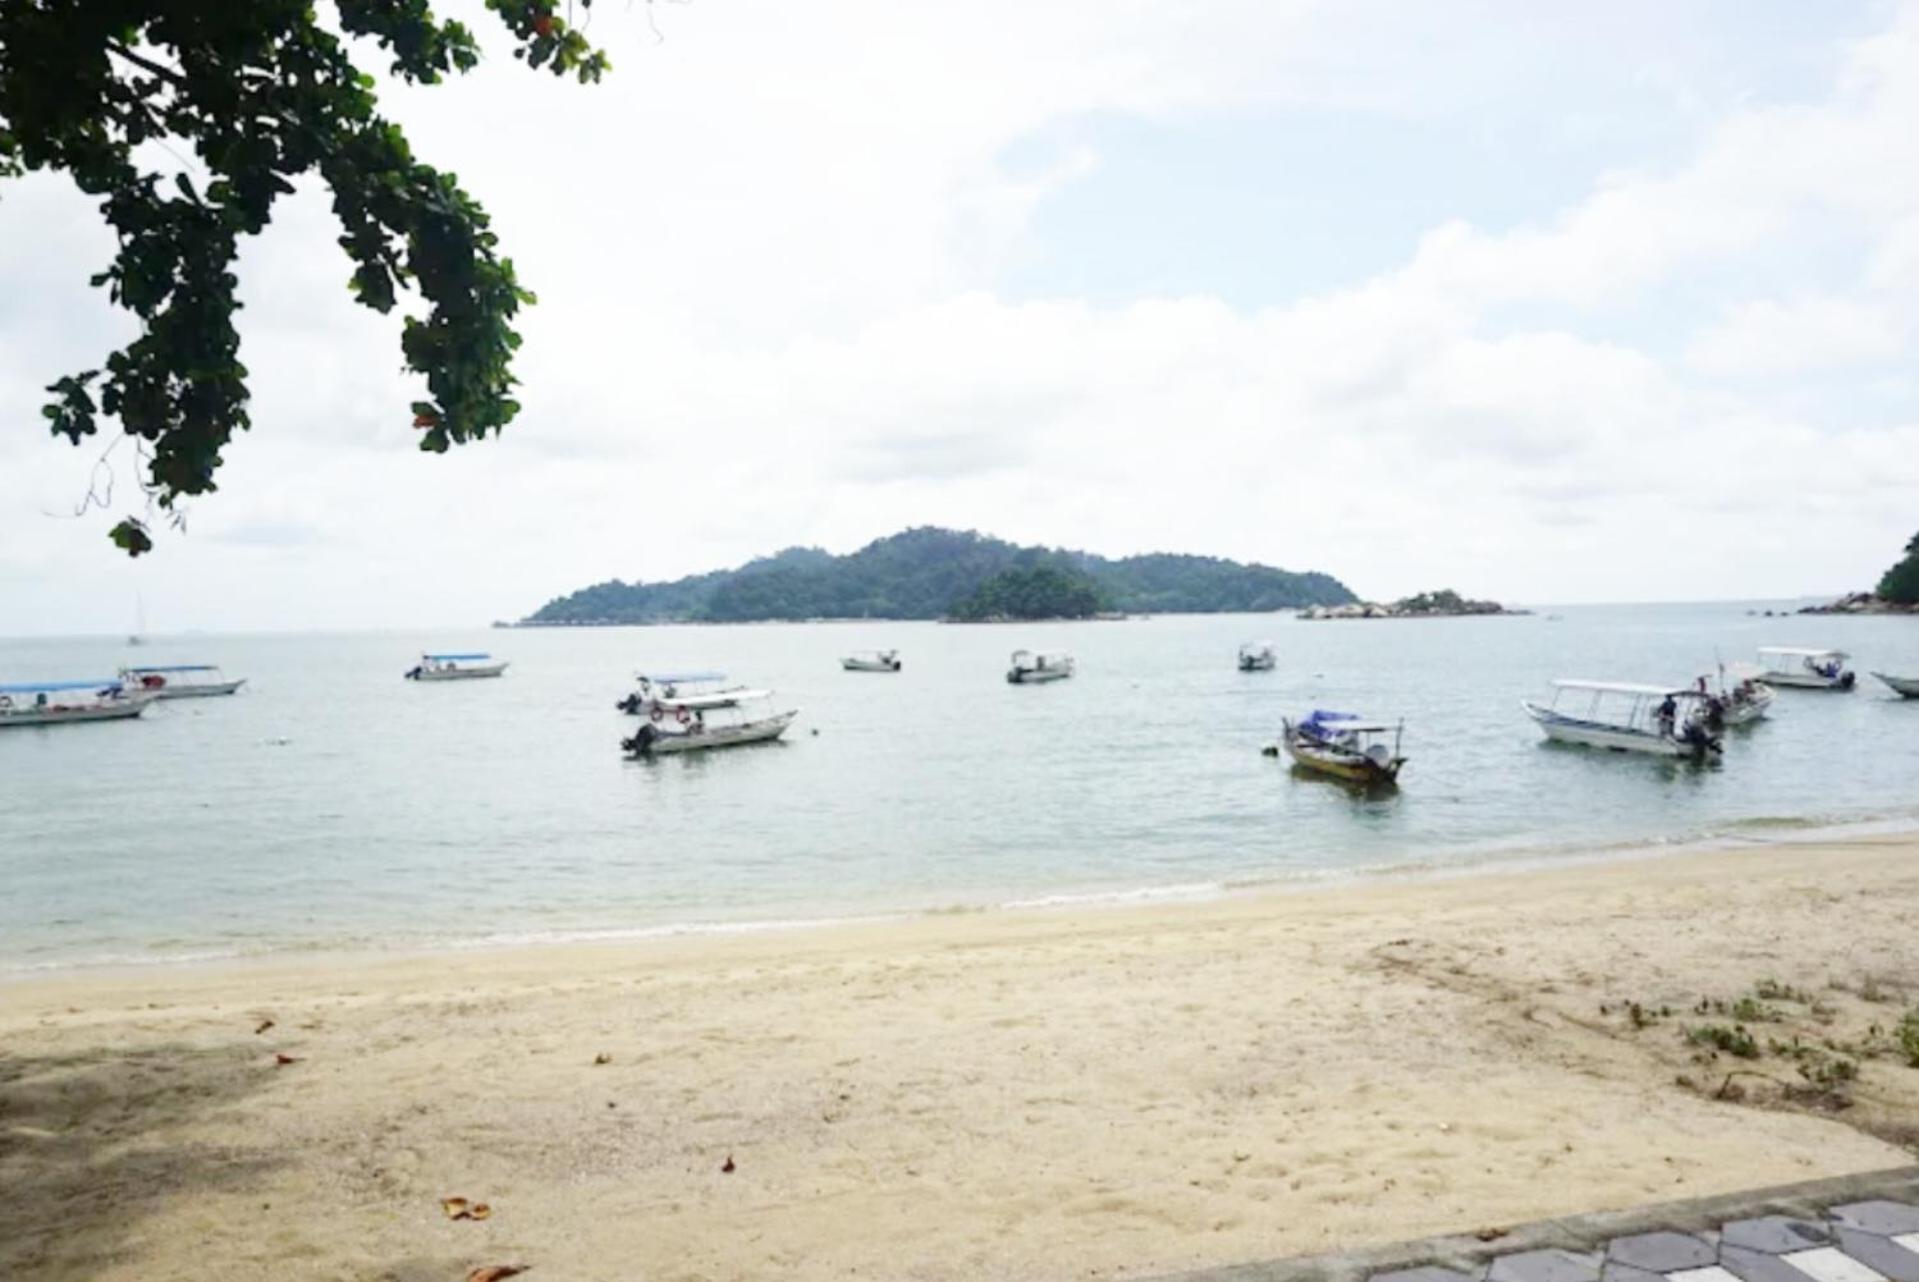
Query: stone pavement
x=1854, y=1229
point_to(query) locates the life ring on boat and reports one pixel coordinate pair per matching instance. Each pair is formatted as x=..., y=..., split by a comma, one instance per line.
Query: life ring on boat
x=684, y=717
x=658, y=712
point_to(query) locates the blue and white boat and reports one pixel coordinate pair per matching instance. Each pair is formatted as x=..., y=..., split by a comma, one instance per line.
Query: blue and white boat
x=455, y=667
x=1625, y=717
x=48, y=703
x=181, y=680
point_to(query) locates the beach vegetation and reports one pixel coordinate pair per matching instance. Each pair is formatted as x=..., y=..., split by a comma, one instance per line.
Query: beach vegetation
x=1905, y=1036
x=1731, y=1040
x=261, y=94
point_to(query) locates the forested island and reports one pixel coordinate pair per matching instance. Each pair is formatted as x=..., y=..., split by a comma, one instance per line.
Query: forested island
x=1898, y=591
x=933, y=573
x=1443, y=604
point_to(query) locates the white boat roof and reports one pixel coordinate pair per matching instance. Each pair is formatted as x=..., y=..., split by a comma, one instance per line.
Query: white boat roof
x=1364, y=727
x=1802, y=652
x=1621, y=687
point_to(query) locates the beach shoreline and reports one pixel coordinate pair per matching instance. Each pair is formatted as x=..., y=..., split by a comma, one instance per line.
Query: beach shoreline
x=1120, y=1089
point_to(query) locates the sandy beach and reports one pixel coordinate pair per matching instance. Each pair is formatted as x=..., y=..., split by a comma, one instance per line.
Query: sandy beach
x=1119, y=1092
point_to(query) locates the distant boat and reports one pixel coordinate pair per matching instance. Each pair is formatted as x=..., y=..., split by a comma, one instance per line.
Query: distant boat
x=181, y=681
x=872, y=661
x=1345, y=746
x=454, y=667
x=1806, y=669
x=698, y=691
x=139, y=634
x=671, y=728
x=1258, y=656
x=1028, y=668
x=1626, y=717
x=46, y=703
x=1908, y=687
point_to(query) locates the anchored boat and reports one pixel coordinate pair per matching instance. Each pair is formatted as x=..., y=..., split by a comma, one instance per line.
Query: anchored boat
x=1743, y=695
x=47, y=703
x=1625, y=717
x=695, y=691
x=671, y=728
x=1805, y=669
x=1908, y=687
x=454, y=667
x=181, y=681
x=1345, y=746
x=1258, y=656
x=872, y=661
x=1028, y=668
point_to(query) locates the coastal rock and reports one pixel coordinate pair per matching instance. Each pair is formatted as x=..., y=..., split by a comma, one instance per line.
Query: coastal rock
x=1444, y=604
x=1861, y=603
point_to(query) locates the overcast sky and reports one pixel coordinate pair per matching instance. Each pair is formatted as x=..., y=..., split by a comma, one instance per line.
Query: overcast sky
x=1543, y=302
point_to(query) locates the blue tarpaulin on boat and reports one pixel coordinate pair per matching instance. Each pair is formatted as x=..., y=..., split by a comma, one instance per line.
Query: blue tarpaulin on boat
x=447, y=658
x=36, y=687
x=1320, y=714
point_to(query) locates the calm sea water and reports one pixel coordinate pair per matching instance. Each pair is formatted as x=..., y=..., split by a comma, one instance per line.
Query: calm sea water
x=332, y=804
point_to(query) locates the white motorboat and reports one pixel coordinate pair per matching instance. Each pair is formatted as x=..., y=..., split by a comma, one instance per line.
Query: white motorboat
x=1908, y=687
x=1805, y=669
x=695, y=691
x=1029, y=668
x=455, y=667
x=1743, y=695
x=48, y=703
x=872, y=661
x=1345, y=746
x=181, y=681
x=675, y=728
x=1258, y=656
x=1625, y=717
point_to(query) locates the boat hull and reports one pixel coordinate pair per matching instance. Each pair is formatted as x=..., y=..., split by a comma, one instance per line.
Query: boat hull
x=869, y=665
x=1593, y=734
x=459, y=674
x=1262, y=664
x=1907, y=687
x=1036, y=676
x=1349, y=767
x=1811, y=680
x=1743, y=712
x=673, y=744
x=203, y=690
x=62, y=716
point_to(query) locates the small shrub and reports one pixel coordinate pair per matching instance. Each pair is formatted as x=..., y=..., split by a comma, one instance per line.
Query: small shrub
x=1734, y=1041
x=1750, y=1010
x=1906, y=1035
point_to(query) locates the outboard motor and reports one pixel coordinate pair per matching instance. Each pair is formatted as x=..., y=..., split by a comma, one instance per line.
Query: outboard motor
x=630, y=704
x=413, y=673
x=642, y=741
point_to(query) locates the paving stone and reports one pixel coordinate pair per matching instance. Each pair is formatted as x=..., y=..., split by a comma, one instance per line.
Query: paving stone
x=1774, y=1234
x=1759, y=1266
x=1881, y=1217
x=1544, y=1266
x=1882, y=1253
x=1830, y=1264
x=1424, y=1273
x=1663, y=1252
x=1711, y=1273
x=1908, y=1240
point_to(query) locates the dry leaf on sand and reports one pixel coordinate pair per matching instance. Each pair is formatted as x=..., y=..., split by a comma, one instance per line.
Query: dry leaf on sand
x=495, y=1272
x=264, y=1025
x=456, y=1208
x=281, y=1059
x=479, y=1211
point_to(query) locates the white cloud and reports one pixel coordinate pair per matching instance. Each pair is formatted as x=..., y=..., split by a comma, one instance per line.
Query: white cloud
x=766, y=253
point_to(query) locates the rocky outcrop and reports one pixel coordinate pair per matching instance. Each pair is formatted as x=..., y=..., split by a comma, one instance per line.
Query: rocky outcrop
x=1860, y=603
x=1444, y=604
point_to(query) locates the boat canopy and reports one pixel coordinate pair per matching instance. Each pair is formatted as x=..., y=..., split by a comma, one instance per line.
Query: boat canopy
x=431, y=658
x=48, y=687
x=178, y=667
x=1625, y=687
x=1800, y=652
x=674, y=678
x=1345, y=722
x=705, y=702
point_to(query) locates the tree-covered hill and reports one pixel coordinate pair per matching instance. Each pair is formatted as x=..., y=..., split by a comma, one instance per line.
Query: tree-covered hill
x=924, y=573
x=1035, y=592
x=1900, y=584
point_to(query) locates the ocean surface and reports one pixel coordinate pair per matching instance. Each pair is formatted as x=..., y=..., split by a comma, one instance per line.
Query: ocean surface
x=333, y=805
